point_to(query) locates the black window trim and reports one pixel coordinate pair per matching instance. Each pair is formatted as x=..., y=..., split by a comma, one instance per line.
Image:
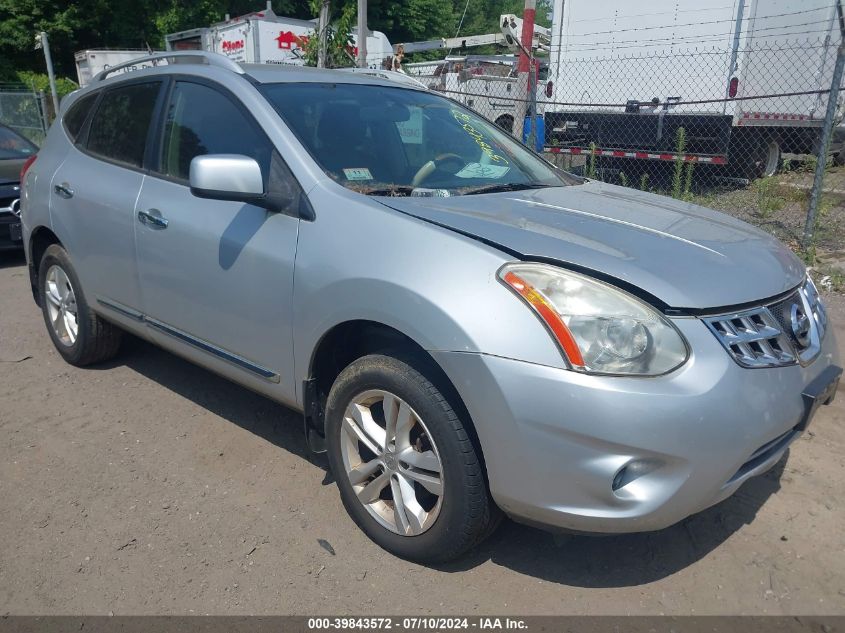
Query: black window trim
x=82, y=140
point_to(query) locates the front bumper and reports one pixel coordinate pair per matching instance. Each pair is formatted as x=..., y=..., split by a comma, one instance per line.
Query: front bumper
x=10, y=233
x=556, y=443
x=10, y=221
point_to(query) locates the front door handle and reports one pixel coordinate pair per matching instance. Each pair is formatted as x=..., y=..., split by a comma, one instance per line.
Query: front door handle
x=63, y=190
x=152, y=219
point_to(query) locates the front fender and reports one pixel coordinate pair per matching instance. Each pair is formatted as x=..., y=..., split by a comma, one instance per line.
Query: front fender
x=360, y=260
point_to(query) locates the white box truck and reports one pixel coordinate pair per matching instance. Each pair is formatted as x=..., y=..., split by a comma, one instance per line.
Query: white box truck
x=625, y=76
x=91, y=61
x=263, y=37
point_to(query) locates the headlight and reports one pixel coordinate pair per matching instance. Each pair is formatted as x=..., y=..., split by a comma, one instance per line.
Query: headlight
x=600, y=329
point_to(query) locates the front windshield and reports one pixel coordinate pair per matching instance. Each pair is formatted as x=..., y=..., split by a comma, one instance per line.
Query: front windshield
x=13, y=145
x=392, y=141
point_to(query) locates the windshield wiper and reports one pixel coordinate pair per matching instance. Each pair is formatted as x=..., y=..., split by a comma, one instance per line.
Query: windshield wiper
x=511, y=186
x=389, y=191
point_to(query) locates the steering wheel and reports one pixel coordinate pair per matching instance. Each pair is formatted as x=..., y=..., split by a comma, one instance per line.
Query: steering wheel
x=433, y=165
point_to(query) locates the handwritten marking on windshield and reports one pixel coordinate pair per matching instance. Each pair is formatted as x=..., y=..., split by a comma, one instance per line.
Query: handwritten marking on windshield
x=465, y=122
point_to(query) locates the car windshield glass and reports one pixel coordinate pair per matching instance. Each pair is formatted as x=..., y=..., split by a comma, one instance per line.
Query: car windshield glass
x=12, y=145
x=383, y=140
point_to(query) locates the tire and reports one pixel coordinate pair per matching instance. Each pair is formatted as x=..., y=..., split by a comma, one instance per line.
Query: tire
x=59, y=293
x=506, y=123
x=771, y=158
x=439, y=530
x=758, y=158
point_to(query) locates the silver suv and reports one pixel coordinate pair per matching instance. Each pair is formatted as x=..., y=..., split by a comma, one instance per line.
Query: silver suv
x=467, y=329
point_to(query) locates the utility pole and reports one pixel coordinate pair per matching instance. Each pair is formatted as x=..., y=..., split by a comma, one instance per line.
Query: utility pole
x=322, y=35
x=525, y=67
x=362, y=33
x=43, y=42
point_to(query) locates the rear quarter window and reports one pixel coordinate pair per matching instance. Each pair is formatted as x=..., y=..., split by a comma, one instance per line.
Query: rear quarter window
x=121, y=123
x=75, y=117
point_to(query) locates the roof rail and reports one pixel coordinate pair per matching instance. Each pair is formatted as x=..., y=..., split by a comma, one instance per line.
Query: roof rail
x=390, y=75
x=212, y=59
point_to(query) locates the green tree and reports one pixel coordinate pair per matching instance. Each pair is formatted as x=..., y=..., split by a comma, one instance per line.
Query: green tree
x=81, y=24
x=342, y=16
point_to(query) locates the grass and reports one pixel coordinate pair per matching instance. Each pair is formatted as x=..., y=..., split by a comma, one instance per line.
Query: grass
x=769, y=196
x=829, y=278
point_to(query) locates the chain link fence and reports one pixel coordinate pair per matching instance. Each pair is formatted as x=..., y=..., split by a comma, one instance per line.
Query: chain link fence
x=739, y=129
x=24, y=111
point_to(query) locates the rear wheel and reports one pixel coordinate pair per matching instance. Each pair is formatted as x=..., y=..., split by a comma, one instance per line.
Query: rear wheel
x=755, y=157
x=771, y=163
x=80, y=336
x=408, y=471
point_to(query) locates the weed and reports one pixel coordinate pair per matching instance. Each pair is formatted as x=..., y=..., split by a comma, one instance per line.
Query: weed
x=591, y=163
x=687, y=195
x=769, y=199
x=677, y=176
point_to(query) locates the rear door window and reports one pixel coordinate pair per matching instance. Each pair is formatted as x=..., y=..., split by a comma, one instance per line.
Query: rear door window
x=201, y=120
x=121, y=123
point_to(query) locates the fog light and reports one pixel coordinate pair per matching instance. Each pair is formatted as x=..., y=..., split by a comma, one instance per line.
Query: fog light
x=632, y=471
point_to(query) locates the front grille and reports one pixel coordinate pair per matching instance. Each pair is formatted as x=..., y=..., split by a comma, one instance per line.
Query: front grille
x=781, y=333
x=782, y=313
x=754, y=338
x=10, y=205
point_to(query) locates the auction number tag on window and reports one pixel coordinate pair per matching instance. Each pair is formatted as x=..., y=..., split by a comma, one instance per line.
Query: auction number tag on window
x=357, y=173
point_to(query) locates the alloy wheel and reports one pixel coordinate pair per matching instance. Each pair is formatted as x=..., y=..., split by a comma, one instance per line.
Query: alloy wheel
x=61, y=305
x=391, y=462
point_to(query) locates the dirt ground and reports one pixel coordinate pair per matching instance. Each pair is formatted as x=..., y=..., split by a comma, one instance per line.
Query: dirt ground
x=150, y=486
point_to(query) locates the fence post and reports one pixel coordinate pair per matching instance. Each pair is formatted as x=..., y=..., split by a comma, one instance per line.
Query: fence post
x=827, y=132
x=42, y=111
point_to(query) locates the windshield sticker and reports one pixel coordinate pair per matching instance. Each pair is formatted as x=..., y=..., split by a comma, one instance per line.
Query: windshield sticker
x=410, y=131
x=357, y=173
x=477, y=170
x=466, y=122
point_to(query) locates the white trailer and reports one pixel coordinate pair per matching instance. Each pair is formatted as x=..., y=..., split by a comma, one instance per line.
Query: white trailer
x=263, y=37
x=91, y=61
x=626, y=76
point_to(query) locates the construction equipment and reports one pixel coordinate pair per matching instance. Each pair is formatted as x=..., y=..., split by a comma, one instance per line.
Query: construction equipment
x=510, y=29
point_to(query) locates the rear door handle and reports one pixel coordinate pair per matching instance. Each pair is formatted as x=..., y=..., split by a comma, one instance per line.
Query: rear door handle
x=63, y=190
x=153, y=219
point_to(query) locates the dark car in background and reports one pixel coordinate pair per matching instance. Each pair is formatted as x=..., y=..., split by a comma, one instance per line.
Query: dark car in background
x=15, y=151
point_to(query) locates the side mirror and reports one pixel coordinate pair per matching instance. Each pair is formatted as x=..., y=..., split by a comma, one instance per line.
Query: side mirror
x=227, y=177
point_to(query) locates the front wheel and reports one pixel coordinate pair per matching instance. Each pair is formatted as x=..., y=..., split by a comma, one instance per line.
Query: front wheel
x=408, y=471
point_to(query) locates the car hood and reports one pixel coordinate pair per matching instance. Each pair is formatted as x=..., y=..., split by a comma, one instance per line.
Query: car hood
x=10, y=169
x=685, y=255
